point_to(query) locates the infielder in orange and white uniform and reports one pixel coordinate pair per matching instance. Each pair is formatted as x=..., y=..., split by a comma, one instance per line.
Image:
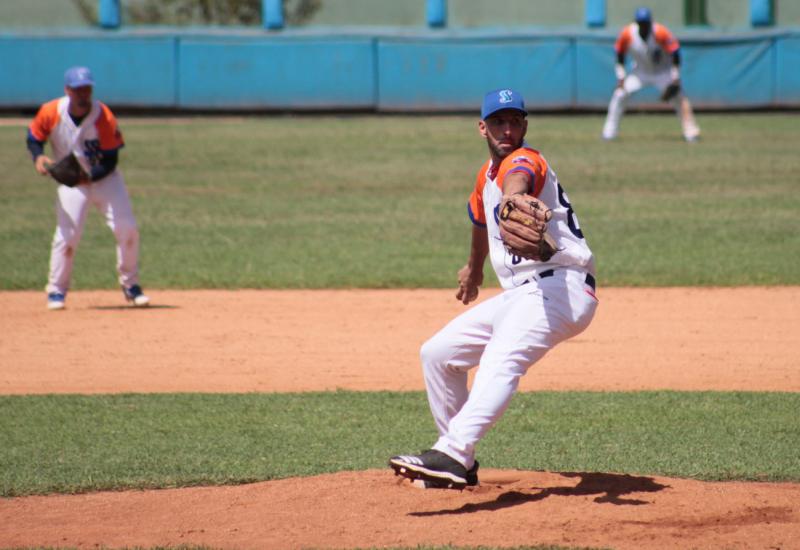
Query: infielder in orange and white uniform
x=656, y=62
x=77, y=124
x=543, y=303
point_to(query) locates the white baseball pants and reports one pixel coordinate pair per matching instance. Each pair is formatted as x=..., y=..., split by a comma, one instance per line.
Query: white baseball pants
x=110, y=197
x=504, y=336
x=634, y=82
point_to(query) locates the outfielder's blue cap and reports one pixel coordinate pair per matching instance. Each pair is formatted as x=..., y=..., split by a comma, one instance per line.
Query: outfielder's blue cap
x=497, y=100
x=643, y=15
x=75, y=77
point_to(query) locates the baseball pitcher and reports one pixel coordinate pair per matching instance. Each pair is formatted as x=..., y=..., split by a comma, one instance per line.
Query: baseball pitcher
x=525, y=223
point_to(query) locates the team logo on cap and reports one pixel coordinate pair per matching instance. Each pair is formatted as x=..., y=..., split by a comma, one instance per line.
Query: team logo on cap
x=505, y=96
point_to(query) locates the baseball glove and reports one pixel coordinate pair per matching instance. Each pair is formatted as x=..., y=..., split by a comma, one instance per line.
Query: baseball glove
x=523, y=227
x=671, y=91
x=68, y=171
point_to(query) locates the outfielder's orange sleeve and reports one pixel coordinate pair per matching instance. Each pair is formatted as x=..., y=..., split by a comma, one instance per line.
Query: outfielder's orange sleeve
x=528, y=161
x=107, y=130
x=665, y=38
x=623, y=40
x=45, y=120
x=475, y=204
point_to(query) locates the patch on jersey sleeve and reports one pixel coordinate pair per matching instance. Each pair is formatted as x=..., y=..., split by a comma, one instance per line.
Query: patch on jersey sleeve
x=522, y=159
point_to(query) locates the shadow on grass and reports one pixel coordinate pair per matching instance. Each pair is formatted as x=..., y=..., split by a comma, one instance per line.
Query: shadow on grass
x=610, y=488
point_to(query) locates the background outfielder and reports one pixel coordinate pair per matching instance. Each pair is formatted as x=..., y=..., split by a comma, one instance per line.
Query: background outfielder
x=656, y=62
x=75, y=124
x=544, y=301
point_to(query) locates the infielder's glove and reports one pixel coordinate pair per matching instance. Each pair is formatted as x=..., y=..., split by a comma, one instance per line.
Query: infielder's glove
x=673, y=89
x=523, y=227
x=68, y=171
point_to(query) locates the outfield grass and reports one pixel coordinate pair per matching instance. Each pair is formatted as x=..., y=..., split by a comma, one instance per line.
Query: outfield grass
x=73, y=444
x=379, y=201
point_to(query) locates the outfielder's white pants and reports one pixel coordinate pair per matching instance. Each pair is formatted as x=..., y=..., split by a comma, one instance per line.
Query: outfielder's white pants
x=634, y=82
x=110, y=197
x=504, y=336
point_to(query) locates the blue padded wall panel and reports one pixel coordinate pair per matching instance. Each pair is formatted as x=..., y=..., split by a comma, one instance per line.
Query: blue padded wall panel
x=455, y=74
x=280, y=74
x=137, y=71
x=730, y=73
x=594, y=71
x=787, y=56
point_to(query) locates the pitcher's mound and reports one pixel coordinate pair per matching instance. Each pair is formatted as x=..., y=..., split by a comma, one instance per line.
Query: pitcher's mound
x=374, y=508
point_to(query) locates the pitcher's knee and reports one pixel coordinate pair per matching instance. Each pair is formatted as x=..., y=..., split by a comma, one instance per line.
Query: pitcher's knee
x=429, y=351
x=436, y=353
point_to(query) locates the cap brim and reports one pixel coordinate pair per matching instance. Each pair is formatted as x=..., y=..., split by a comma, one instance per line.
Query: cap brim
x=523, y=111
x=80, y=84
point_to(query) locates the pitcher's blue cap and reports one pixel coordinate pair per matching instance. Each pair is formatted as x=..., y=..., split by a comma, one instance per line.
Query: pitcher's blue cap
x=76, y=77
x=643, y=15
x=498, y=100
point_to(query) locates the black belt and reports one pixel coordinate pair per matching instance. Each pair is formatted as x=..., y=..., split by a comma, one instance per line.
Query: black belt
x=550, y=272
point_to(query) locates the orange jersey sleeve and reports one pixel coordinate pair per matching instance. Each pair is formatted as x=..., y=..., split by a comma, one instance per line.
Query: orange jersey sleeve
x=665, y=38
x=623, y=40
x=527, y=161
x=45, y=120
x=475, y=205
x=107, y=130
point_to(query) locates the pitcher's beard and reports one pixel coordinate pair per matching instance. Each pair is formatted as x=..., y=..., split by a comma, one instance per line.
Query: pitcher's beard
x=501, y=152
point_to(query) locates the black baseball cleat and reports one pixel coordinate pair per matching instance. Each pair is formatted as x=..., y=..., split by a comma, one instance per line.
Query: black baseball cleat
x=135, y=296
x=472, y=480
x=472, y=475
x=435, y=469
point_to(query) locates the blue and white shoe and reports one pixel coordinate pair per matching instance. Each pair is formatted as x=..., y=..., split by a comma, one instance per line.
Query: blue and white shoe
x=55, y=300
x=135, y=296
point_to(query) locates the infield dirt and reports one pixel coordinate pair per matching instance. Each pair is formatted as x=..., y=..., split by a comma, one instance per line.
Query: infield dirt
x=242, y=341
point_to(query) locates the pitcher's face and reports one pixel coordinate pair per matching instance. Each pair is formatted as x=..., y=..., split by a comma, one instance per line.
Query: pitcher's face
x=504, y=132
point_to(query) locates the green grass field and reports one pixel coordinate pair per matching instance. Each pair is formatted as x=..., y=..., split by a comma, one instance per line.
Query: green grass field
x=87, y=443
x=379, y=202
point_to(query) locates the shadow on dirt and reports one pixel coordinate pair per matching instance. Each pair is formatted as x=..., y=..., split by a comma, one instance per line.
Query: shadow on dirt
x=126, y=307
x=610, y=489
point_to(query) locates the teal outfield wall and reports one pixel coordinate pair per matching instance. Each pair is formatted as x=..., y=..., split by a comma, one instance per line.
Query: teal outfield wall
x=385, y=70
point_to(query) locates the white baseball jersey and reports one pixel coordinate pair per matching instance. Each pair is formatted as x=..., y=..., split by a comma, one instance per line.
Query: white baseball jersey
x=484, y=205
x=650, y=56
x=97, y=132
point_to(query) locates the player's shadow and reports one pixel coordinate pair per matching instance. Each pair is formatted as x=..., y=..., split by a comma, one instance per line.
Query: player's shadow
x=610, y=489
x=126, y=307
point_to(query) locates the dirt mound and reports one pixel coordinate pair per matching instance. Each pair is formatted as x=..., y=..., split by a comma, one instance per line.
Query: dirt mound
x=374, y=508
